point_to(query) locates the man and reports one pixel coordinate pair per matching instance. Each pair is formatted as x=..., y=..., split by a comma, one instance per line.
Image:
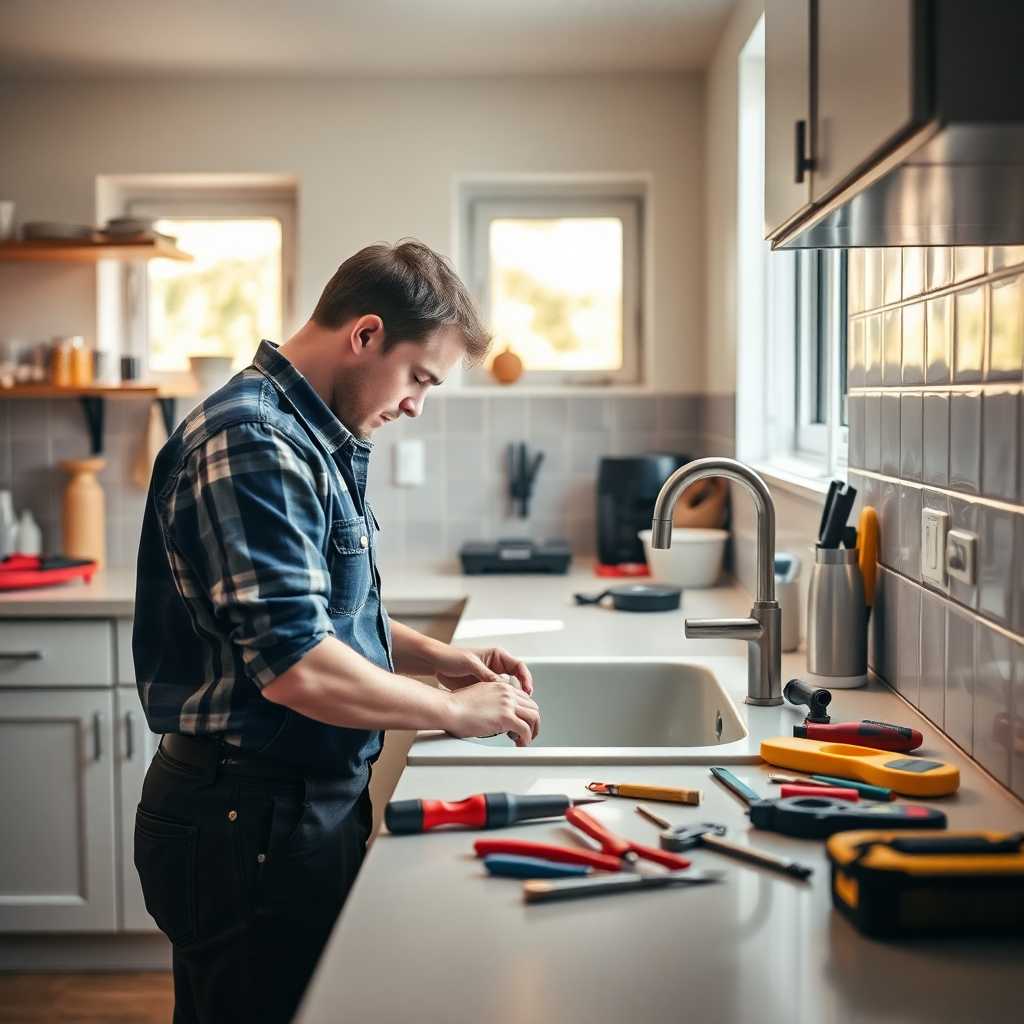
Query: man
x=263, y=651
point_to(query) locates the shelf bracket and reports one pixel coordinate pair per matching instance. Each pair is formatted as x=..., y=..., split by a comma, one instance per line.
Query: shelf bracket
x=167, y=412
x=93, y=407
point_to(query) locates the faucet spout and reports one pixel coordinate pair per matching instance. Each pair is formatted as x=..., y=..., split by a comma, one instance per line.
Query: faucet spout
x=762, y=630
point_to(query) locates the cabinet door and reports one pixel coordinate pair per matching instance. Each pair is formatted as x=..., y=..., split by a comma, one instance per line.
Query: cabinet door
x=865, y=84
x=135, y=746
x=57, y=802
x=787, y=99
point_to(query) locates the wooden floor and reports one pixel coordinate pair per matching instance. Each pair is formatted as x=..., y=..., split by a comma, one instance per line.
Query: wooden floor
x=141, y=998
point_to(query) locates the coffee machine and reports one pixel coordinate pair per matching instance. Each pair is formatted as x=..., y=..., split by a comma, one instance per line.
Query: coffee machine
x=627, y=486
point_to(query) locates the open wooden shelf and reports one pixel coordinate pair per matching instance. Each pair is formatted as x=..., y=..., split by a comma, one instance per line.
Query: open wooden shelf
x=84, y=251
x=92, y=391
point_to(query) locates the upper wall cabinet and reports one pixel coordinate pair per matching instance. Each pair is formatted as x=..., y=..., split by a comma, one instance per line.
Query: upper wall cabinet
x=893, y=122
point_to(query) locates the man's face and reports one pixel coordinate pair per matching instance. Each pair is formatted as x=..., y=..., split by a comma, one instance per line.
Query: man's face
x=387, y=385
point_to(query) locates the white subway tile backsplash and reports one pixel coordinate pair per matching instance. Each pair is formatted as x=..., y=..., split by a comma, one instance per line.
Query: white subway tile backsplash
x=1000, y=439
x=890, y=450
x=939, y=330
x=910, y=443
x=969, y=345
x=992, y=728
x=913, y=343
x=965, y=441
x=1006, y=338
x=959, y=697
x=935, y=439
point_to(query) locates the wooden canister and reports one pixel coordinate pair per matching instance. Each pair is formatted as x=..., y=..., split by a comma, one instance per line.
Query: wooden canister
x=84, y=511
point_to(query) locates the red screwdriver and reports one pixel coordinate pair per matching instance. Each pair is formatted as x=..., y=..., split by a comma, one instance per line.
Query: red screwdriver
x=482, y=810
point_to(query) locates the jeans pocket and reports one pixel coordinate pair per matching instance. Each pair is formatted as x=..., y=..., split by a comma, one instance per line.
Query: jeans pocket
x=165, y=858
x=349, y=566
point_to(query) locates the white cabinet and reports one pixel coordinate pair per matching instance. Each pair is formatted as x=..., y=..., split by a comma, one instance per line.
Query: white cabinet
x=865, y=84
x=57, y=857
x=787, y=98
x=135, y=746
x=56, y=652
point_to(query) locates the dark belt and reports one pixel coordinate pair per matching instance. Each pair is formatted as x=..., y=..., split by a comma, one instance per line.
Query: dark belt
x=207, y=752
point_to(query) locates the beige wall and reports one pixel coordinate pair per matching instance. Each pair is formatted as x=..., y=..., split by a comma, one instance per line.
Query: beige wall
x=375, y=160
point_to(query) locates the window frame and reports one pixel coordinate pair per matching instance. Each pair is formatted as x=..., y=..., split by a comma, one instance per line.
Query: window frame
x=479, y=206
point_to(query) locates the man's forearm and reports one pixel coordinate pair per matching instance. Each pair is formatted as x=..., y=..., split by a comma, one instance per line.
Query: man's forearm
x=413, y=652
x=336, y=685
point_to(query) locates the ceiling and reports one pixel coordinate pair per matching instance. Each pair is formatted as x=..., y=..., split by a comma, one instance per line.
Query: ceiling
x=201, y=38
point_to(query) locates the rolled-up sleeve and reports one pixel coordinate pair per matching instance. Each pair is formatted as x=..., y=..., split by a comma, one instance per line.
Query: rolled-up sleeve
x=246, y=528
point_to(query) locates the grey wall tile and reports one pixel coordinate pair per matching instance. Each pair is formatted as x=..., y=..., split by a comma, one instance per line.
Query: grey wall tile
x=872, y=431
x=556, y=455
x=1000, y=439
x=965, y=441
x=890, y=451
x=855, y=354
x=935, y=439
x=679, y=414
x=882, y=627
x=465, y=416
x=1020, y=448
x=996, y=584
x=551, y=415
x=467, y=459
x=892, y=347
x=1017, y=712
x=964, y=515
x=939, y=339
x=507, y=417
x=911, y=426
x=718, y=415
x=969, y=338
x=855, y=411
x=932, y=691
x=913, y=272
x=968, y=262
x=959, y=701
x=908, y=641
x=939, y=263
x=910, y=532
x=1018, y=575
x=585, y=452
x=913, y=343
x=1006, y=256
x=892, y=264
x=994, y=660
x=889, y=523
x=429, y=423
x=1006, y=341
x=594, y=415
x=873, y=350
x=635, y=415
x=855, y=281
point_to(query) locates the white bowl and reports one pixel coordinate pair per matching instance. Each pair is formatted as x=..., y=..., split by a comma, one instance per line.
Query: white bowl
x=694, y=560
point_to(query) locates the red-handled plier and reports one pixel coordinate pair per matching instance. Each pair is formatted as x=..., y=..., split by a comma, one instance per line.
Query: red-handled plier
x=616, y=850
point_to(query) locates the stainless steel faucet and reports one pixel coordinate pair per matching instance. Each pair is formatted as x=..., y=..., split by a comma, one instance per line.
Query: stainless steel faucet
x=762, y=630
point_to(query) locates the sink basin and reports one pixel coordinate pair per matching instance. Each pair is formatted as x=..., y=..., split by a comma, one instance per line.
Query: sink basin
x=605, y=711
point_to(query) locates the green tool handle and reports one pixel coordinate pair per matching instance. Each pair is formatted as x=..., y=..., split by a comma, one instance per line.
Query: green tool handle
x=867, y=791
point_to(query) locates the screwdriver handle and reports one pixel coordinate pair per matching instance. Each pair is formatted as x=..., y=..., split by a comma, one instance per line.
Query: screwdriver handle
x=482, y=810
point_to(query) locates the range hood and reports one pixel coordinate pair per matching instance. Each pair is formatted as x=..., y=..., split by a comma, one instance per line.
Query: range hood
x=955, y=184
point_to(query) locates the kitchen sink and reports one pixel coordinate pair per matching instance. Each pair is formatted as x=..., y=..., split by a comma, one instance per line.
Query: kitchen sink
x=636, y=711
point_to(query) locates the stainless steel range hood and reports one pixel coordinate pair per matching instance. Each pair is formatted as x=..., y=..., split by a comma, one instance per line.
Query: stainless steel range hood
x=957, y=184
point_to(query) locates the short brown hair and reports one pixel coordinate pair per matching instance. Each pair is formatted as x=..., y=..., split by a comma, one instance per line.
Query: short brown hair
x=411, y=288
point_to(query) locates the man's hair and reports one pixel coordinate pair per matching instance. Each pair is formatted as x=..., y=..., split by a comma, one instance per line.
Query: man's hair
x=411, y=288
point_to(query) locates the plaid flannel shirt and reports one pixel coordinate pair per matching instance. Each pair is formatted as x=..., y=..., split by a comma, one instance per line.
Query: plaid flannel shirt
x=257, y=542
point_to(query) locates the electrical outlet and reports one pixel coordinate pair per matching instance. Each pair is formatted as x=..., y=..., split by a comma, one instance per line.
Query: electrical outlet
x=410, y=463
x=934, y=525
x=961, y=555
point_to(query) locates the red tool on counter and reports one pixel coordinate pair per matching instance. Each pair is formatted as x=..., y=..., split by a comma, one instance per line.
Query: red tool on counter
x=22, y=572
x=880, y=735
x=616, y=850
x=482, y=810
x=835, y=792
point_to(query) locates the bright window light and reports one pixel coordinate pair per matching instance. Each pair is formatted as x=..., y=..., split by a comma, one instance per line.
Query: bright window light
x=556, y=291
x=223, y=302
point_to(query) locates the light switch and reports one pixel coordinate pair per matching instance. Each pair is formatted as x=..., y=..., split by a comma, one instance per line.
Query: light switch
x=934, y=525
x=410, y=463
x=961, y=555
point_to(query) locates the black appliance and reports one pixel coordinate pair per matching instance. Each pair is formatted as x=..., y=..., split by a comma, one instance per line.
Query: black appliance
x=514, y=554
x=627, y=486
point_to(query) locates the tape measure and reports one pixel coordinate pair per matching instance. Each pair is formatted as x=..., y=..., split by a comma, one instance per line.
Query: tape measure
x=902, y=773
x=815, y=817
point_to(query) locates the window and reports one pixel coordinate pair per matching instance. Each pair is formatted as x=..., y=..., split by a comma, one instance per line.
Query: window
x=240, y=231
x=557, y=277
x=792, y=316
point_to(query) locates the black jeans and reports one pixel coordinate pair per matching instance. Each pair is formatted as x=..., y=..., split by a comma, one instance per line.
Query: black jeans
x=246, y=876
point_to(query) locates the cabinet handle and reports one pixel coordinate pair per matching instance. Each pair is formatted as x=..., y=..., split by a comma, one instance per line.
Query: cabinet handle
x=97, y=747
x=21, y=655
x=802, y=163
x=129, y=736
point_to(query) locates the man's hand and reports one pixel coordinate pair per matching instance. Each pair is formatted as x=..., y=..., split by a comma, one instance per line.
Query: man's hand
x=488, y=708
x=457, y=668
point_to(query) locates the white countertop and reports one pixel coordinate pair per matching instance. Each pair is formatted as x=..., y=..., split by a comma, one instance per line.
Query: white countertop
x=427, y=934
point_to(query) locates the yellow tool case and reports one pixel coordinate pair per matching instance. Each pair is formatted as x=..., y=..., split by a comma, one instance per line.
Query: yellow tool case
x=893, y=884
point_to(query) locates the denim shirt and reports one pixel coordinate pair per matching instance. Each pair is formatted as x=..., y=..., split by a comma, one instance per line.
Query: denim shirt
x=257, y=542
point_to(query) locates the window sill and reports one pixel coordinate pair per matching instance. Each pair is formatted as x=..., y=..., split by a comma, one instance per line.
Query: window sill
x=803, y=478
